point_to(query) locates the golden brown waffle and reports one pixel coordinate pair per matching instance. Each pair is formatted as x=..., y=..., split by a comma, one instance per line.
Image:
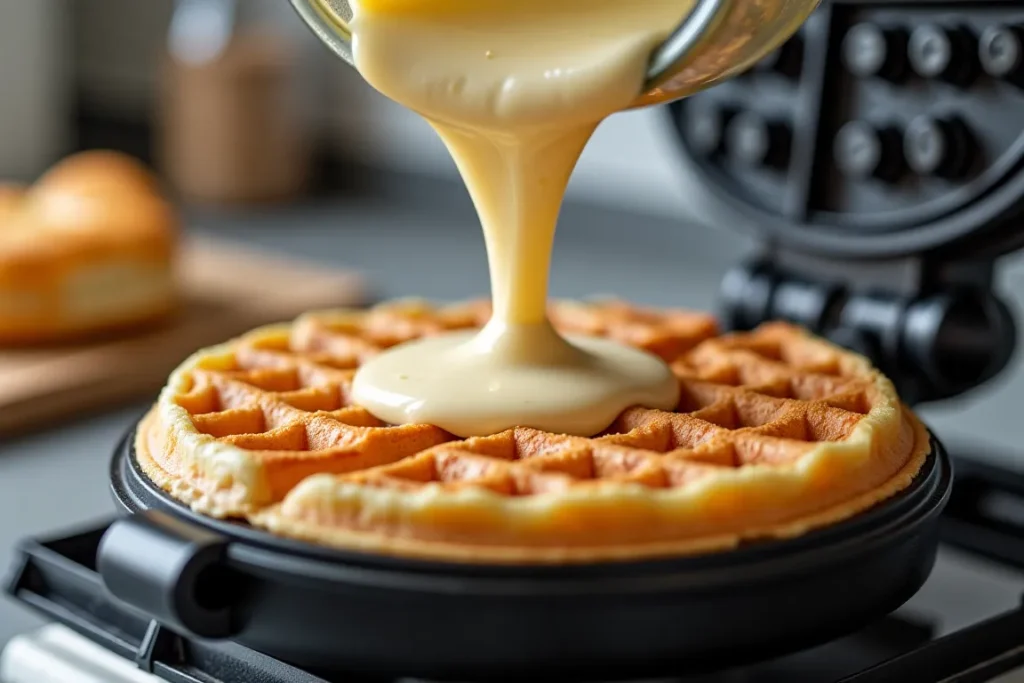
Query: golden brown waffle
x=777, y=432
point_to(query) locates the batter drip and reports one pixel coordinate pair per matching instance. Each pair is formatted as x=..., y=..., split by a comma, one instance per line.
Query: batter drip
x=515, y=90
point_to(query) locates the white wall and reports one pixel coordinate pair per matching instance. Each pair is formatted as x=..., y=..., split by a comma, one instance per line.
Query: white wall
x=34, y=86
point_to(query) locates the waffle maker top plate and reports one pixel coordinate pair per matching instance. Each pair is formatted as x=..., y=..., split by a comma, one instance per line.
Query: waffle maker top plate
x=332, y=612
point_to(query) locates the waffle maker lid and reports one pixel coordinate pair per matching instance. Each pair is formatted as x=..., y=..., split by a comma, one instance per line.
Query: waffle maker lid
x=879, y=131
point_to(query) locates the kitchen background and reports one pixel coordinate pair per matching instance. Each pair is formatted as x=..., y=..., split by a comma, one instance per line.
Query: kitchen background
x=303, y=158
x=104, y=56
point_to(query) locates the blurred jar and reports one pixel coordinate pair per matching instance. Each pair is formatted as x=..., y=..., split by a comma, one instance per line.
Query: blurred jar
x=231, y=127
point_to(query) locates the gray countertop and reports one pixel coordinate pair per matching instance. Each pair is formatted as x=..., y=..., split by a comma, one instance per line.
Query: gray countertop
x=424, y=241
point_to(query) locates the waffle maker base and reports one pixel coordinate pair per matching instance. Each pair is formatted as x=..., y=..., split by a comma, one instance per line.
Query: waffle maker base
x=335, y=612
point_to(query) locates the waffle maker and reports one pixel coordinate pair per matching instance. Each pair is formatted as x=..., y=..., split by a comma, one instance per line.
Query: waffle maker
x=874, y=155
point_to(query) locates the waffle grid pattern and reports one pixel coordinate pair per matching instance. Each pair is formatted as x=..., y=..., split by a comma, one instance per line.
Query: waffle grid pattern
x=280, y=397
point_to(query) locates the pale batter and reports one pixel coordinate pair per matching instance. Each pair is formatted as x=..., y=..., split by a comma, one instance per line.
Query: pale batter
x=515, y=88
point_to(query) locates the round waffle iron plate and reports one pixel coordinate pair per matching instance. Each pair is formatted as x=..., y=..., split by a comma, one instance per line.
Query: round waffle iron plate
x=332, y=611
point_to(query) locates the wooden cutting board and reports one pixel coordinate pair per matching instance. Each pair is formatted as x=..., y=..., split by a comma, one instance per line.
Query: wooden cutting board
x=228, y=289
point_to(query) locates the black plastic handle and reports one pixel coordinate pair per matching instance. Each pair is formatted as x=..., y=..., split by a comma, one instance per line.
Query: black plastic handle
x=172, y=571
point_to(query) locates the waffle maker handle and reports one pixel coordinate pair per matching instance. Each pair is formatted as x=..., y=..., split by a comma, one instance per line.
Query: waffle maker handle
x=172, y=571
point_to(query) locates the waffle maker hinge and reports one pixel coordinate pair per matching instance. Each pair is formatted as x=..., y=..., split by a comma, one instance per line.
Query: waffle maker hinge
x=937, y=329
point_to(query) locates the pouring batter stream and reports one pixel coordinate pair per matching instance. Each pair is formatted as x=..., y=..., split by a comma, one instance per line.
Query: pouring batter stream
x=515, y=89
